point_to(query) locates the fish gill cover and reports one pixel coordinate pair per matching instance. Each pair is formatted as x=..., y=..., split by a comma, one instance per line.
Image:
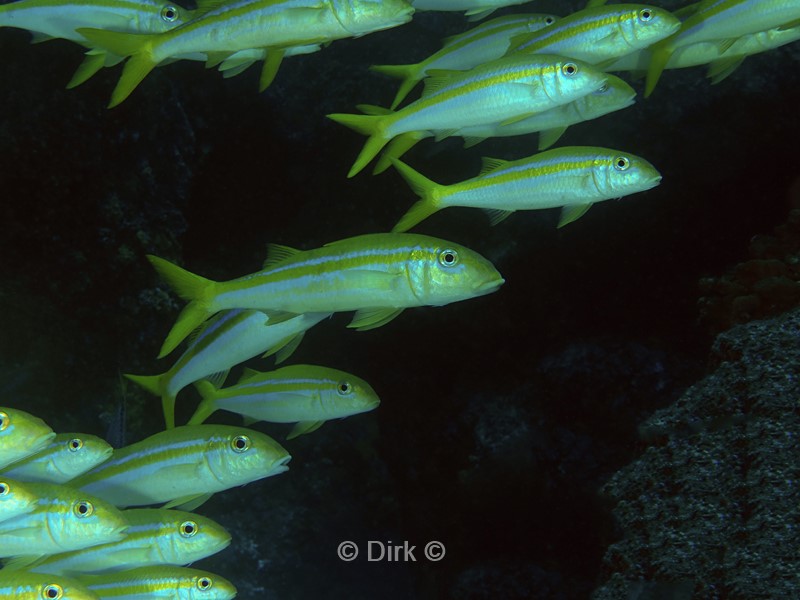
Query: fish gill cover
x=502, y=417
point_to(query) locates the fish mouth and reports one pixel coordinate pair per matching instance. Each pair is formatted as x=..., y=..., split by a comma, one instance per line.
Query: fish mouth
x=280, y=466
x=652, y=182
x=490, y=286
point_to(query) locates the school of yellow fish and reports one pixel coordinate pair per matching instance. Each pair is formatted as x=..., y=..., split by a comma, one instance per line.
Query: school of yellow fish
x=71, y=525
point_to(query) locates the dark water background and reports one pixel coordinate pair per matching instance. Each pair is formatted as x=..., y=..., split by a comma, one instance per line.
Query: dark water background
x=500, y=416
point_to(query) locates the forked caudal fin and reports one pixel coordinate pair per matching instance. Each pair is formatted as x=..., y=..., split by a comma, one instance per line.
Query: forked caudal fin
x=422, y=187
x=371, y=125
x=206, y=407
x=197, y=290
x=138, y=46
x=410, y=74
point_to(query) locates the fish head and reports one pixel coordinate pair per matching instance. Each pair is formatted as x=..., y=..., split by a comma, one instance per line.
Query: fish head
x=565, y=79
x=622, y=173
x=21, y=434
x=643, y=25
x=77, y=453
x=441, y=272
x=51, y=587
x=539, y=21
x=201, y=585
x=185, y=537
x=242, y=455
x=345, y=394
x=15, y=499
x=615, y=94
x=360, y=17
x=83, y=520
x=160, y=16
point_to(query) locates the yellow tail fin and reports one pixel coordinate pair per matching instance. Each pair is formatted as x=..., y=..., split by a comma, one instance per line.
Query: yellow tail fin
x=371, y=125
x=197, y=290
x=206, y=407
x=138, y=46
x=410, y=74
x=396, y=148
x=426, y=189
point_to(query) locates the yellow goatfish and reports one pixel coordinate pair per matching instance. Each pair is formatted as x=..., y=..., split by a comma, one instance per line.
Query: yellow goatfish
x=156, y=536
x=614, y=95
x=571, y=177
x=722, y=21
x=377, y=275
x=486, y=42
x=303, y=394
x=168, y=582
x=602, y=33
x=474, y=9
x=21, y=434
x=15, y=499
x=228, y=339
x=65, y=457
x=184, y=464
x=721, y=61
x=247, y=24
x=33, y=586
x=502, y=91
x=64, y=519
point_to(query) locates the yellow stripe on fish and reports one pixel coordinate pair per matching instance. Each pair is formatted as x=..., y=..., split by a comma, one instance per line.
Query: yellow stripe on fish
x=246, y=24
x=160, y=582
x=304, y=394
x=228, y=339
x=614, y=95
x=156, y=536
x=64, y=458
x=571, y=177
x=64, y=519
x=602, y=33
x=504, y=90
x=722, y=21
x=486, y=42
x=33, y=586
x=378, y=275
x=21, y=434
x=184, y=464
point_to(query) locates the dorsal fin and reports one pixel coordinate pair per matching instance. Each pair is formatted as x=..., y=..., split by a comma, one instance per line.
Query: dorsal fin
x=277, y=253
x=491, y=164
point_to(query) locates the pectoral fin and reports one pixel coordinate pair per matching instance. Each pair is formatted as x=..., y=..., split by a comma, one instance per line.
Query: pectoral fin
x=572, y=213
x=372, y=318
x=548, y=137
x=188, y=503
x=304, y=427
x=720, y=69
x=497, y=216
x=271, y=65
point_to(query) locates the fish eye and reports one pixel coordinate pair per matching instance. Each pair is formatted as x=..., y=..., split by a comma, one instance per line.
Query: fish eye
x=344, y=388
x=204, y=583
x=169, y=14
x=448, y=258
x=4, y=421
x=188, y=529
x=75, y=444
x=4, y=488
x=549, y=21
x=83, y=509
x=241, y=443
x=621, y=163
x=52, y=591
x=645, y=15
x=569, y=69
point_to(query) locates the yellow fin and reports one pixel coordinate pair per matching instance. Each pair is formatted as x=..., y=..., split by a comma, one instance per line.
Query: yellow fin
x=278, y=316
x=516, y=119
x=277, y=253
x=371, y=109
x=422, y=187
x=476, y=14
x=572, y=213
x=37, y=37
x=304, y=427
x=372, y=318
x=518, y=40
x=789, y=25
x=285, y=348
x=470, y=141
x=204, y=6
x=548, y=137
x=396, y=148
x=497, y=216
x=371, y=125
x=207, y=406
x=659, y=57
x=91, y=64
x=152, y=383
x=491, y=164
x=188, y=503
x=270, y=69
x=216, y=58
x=444, y=133
x=720, y=69
x=19, y=563
x=725, y=45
